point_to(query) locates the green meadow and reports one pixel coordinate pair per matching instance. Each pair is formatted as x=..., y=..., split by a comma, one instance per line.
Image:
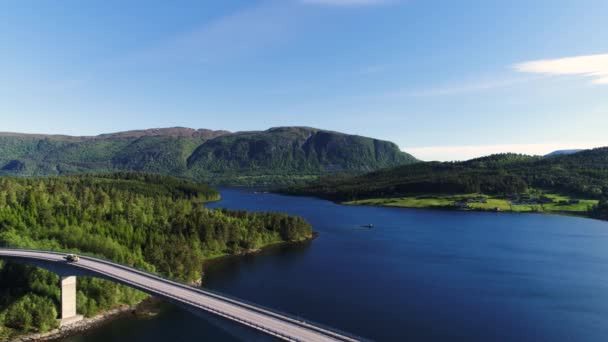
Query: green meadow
x=443, y=201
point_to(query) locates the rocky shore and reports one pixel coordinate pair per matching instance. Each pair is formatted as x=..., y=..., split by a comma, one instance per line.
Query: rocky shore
x=148, y=307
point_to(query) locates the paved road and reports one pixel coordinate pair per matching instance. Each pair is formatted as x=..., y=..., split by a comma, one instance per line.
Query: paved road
x=271, y=323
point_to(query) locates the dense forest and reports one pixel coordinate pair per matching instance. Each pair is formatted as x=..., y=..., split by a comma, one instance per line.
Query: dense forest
x=601, y=210
x=152, y=222
x=283, y=155
x=583, y=174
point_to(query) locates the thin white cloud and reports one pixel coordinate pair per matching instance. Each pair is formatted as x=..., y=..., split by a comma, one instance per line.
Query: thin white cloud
x=470, y=87
x=246, y=32
x=474, y=86
x=465, y=152
x=344, y=2
x=592, y=66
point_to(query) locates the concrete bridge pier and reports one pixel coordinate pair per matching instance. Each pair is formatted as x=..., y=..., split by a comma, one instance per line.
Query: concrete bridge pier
x=68, y=314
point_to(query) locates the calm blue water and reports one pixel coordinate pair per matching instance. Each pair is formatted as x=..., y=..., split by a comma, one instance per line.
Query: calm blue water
x=417, y=275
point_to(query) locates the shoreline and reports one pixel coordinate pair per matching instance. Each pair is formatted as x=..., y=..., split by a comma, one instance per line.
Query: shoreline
x=477, y=210
x=446, y=203
x=146, y=308
x=259, y=250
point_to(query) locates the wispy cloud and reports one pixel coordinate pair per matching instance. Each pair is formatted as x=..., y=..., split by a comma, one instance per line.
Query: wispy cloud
x=248, y=31
x=469, y=87
x=592, y=66
x=465, y=152
x=464, y=87
x=344, y=2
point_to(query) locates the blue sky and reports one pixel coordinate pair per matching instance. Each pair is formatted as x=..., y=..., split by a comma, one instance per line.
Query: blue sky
x=443, y=79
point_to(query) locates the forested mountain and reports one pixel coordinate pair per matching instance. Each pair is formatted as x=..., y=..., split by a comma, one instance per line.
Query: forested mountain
x=278, y=155
x=152, y=222
x=584, y=174
x=560, y=152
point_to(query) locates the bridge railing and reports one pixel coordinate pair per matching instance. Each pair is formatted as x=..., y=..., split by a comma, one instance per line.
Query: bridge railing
x=169, y=296
x=319, y=327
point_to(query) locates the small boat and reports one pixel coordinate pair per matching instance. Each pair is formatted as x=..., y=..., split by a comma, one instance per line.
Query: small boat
x=368, y=226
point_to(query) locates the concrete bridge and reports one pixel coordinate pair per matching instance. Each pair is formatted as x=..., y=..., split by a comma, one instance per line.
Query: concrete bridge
x=187, y=297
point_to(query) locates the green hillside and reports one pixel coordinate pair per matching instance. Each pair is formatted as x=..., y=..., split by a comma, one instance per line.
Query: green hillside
x=504, y=177
x=278, y=155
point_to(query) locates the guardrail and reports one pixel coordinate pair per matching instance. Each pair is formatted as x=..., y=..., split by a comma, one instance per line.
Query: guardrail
x=240, y=302
x=310, y=325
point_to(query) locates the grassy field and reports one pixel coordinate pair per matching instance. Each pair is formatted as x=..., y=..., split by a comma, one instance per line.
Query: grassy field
x=447, y=201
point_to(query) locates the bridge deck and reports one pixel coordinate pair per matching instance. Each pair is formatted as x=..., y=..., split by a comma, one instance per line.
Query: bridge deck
x=274, y=324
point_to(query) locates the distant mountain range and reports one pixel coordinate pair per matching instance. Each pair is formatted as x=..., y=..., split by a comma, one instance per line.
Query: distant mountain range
x=562, y=152
x=277, y=155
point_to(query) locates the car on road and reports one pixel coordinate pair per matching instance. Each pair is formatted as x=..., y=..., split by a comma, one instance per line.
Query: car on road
x=72, y=258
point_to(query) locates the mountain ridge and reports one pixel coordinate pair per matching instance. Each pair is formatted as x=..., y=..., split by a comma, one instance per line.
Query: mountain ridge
x=249, y=157
x=176, y=131
x=562, y=152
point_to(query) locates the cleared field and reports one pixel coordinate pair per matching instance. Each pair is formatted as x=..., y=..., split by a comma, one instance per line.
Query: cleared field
x=491, y=203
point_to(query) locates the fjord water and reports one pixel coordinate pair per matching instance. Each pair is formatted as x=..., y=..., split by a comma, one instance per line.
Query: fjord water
x=420, y=275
